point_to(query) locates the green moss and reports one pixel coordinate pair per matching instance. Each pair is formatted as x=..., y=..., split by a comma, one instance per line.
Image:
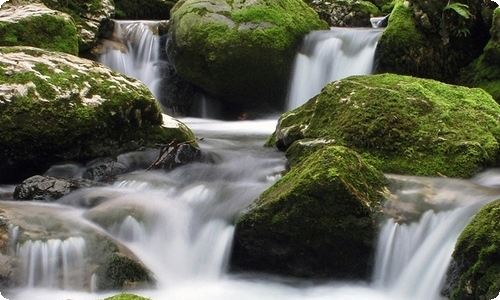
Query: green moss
x=118, y=271
x=46, y=31
x=401, y=42
x=402, y=124
x=477, y=253
x=366, y=7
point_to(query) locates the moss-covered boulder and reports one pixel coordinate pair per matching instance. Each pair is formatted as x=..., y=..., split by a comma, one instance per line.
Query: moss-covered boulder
x=400, y=124
x=38, y=26
x=143, y=10
x=433, y=39
x=239, y=52
x=97, y=260
x=318, y=220
x=484, y=72
x=475, y=267
x=57, y=107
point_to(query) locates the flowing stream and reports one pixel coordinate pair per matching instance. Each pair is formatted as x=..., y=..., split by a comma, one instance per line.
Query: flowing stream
x=181, y=222
x=185, y=232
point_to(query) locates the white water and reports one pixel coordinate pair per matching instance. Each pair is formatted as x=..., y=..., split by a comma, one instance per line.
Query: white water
x=326, y=56
x=180, y=222
x=136, y=52
x=180, y=227
x=53, y=263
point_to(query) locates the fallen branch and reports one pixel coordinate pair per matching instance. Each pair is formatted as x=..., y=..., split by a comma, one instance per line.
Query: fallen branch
x=165, y=151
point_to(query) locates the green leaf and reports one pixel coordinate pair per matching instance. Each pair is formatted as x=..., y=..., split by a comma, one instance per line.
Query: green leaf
x=459, y=8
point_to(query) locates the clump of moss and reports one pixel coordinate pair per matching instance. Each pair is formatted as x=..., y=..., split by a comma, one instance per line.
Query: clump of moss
x=118, y=271
x=401, y=42
x=482, y=74
x=476, y=258
x=47, y=31
x=127, y=296
x=401, y=124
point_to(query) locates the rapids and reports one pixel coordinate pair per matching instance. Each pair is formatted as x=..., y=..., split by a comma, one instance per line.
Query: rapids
x=185, y=232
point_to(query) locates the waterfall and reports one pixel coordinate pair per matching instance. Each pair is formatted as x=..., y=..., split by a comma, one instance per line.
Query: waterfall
x=53, y=263
x=412, y=259
x=326, y=56
x=135, y=51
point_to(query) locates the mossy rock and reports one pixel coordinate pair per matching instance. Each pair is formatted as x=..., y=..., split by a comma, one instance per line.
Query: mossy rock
x=143, y=10
x=239, y=52
x=36, y=25
x=426, y=40
x=57, y=107
x=318, y=220
x=475, y=266
x=484, y=72
x=120, y=272
x=401, y=124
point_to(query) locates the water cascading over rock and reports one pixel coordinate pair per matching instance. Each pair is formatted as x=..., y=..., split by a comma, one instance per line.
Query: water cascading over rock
x=133, y=49
x=330, y=55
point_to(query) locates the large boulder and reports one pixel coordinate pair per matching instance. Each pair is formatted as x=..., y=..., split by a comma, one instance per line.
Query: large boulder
x=475, y=267
x=57, y=107
x=38, y=26
x=92, y=259
x=484, y=72
x=239, y=52
x=318, y=220
x=400, y=124
x=434, y=39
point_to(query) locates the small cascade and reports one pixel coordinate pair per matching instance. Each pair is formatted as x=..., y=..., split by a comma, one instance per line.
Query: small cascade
x=326, y=56
x=53, y=263
x=135, y=51
x=412, y=258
